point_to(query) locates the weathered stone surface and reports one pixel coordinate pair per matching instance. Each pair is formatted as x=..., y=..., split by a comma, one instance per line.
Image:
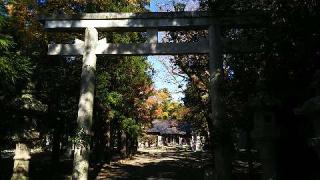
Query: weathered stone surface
x=130, y=24
x=180, y=140
x=145, y=15
x=159, y=141
x=152, y=36
x=21, y=162
x=223, y=148
x=143, y=21
x=151, y=48
x=84, y=120
x=132, y=49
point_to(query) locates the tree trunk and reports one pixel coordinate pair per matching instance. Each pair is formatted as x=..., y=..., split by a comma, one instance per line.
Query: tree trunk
x=98, y=141
x=135, y=145
x=112, y=137
x=98, y=138
x=108, y=142
x=56, y=139
x=123, y=144
x=210, y=133
x=85, y=112
x=222, y=132
x=56, y=149
x=128, y=145
x=101, y=137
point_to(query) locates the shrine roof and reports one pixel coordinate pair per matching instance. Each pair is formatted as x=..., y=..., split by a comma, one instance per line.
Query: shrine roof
x=169, y=127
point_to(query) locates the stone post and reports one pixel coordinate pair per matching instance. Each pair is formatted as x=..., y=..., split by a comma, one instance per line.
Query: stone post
x=222, y=134
x=159, y=138
x=193, y=142
x=21, y=162
x=198, y=143
x=84, y=120
x=180, y=141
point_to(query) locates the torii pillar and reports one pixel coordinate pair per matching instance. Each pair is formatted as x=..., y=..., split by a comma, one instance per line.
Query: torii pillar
x=223, y=148
x=85, y=111
x=88, y=49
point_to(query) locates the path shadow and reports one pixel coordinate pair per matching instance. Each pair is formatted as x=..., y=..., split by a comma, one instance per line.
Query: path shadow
x=178, y=165
x=162, y=166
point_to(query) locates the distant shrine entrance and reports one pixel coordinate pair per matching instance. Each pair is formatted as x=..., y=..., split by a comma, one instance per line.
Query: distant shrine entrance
x=143, y=22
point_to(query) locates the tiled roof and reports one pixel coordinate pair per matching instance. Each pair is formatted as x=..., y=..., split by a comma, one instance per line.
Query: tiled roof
x=169, y=127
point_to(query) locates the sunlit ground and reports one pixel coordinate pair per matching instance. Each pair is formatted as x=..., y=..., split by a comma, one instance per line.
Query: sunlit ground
x=158, y=164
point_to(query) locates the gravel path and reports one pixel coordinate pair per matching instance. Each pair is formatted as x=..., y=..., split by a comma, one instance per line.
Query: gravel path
x=157, y=165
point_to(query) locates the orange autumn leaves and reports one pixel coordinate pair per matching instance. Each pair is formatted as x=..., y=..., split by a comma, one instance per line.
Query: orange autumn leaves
x=159, y=105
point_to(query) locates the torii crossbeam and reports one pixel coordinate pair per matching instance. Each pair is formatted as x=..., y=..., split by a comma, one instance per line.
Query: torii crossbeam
x=151, y=23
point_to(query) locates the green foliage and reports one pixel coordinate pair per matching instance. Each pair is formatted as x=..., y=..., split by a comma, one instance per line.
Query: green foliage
x=114, y=99
x=6, y=41
x=130, y=126
x=179, y=6
x=82, y=138
x=3, y=13
x=14, y=68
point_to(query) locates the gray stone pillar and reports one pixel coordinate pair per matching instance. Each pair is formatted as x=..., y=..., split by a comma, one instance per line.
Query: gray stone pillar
x=84, y=120
x=223, y=146
x=159, y=138
x=265, y=133
x=21, y=162
x=180, y=141
x=193, y=142
x=198, y=143
x=152, y=36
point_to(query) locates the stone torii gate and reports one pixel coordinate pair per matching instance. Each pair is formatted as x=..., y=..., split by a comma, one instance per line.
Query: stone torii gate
x=144, y=22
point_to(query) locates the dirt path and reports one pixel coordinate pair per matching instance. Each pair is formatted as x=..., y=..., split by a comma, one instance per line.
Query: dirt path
x=157, y=165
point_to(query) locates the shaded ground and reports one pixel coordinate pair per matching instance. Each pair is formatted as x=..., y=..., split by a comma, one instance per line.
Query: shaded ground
x=169, y=164
x=157, y=165
x=146, y=165
x=40, y=167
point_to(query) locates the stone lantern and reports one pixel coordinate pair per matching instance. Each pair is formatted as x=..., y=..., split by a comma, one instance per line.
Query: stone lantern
x=21, y=162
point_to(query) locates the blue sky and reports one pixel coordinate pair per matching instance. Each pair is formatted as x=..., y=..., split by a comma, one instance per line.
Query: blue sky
x=164, y=79
x=161, y=64
x=166, y=5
